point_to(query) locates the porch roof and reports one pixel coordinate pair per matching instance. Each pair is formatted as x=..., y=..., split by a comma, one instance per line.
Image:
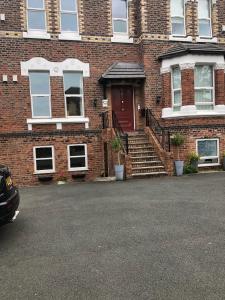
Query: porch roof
x=183, y=49
x=122, y=70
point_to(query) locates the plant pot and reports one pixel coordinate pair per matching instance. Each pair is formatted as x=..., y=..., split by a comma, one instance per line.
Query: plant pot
x=179, y=166
x=194, y=165
x=224, y=163
x=119, y=172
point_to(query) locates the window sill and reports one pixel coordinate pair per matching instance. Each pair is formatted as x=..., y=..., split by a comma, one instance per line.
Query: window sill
x=206, y=40
x=69, y=36
x=180, y=38
x=190, y=111
x=58, y=122
x=36, y=35
x=122, y=39
x=45, y=172
x=78, y=170
x=209, y=165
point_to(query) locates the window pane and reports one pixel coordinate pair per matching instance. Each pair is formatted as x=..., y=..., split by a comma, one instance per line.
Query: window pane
x=204, y=76
x=178, y=26
x=203, y=96
x=70, y=5
x=176, y=78
x=73, y=83
x=203, y=9
x=36, y=20
x=204, y=107
x=205, y=28
x=43, y=152
x=39, y=82
x=74, y=106
x=119, y=9
x=46, y=164
x=77, y=150
x=207, y=148
x=69, y=22
x=41, y=107
x=177, y=8
x=177, y=98
x=36, y=4
x=120, y=26
x=78, y=162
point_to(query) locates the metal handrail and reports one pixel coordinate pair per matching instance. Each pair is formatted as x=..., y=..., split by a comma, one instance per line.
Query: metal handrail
x=105, y=119
x=120, y=133
x=162, y=135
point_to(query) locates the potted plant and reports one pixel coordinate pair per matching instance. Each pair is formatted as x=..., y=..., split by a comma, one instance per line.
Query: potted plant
x=61, y=179
x=177, y=140
x=224, y=160
x=117, y=148
x=193, y=159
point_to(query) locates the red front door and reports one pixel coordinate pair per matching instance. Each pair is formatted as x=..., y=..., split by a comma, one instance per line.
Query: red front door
x=122, y=105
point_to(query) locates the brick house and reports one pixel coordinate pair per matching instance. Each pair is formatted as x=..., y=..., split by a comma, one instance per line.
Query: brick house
x=74, y=73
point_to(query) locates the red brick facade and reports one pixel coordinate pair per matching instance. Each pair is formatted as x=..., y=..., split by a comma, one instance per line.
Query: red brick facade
x=150, y=28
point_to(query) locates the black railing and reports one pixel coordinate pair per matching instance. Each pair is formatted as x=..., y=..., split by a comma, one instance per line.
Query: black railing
x=105, y=119
x=120, y=133
x=162, y=135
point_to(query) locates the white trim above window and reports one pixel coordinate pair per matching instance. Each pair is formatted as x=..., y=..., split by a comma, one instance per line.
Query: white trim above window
x=209, y=156
x=77, y=158
x=39, y=159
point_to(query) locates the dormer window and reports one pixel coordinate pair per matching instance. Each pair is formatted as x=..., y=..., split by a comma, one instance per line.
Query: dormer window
x=36, y=15
x=205, y=18
x=178, y=17
x=120, y=16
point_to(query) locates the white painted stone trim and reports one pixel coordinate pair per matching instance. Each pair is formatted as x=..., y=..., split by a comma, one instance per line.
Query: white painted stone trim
x=181, y=38
x=205, y=40
x=58, y=122
x=187, y=66
x=122, y=39
x=191, y=111
x=191, y=59
x=69, y=36
x=55, y=68
x=37, y=35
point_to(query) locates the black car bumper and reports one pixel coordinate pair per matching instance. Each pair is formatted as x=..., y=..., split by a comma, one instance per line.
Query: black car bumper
x=8, y=208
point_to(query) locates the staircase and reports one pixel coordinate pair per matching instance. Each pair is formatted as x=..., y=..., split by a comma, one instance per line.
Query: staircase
x=145, y=161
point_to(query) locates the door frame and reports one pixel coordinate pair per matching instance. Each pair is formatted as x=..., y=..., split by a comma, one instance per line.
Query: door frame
x=133, y=100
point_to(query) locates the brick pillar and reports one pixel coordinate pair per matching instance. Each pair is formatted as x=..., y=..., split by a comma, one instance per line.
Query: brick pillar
x=219, y=87
x=187, y=83
x=166, y=81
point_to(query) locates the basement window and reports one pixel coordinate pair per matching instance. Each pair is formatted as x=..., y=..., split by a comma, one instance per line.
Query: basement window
x=120, y=17
x=178, y=17
x=44, y=161
x=208, y=150
x=73, y=90
x=77, y=157
x=204, y=18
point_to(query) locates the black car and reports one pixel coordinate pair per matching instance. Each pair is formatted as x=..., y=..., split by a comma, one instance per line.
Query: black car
x=9, y=196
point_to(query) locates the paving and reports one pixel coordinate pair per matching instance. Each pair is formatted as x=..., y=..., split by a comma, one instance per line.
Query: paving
x=160, y=238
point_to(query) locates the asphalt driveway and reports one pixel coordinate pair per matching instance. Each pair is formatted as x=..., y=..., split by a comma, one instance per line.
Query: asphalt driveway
x=149, y=239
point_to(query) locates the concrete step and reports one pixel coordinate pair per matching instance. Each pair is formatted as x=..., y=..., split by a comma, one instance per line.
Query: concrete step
x=148, y=163
x=149, y=168
x=146, y=152
x=144, y=157
x=152, y=174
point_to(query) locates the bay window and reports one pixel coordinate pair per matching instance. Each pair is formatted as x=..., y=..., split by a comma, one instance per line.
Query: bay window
x=208, y=150
x=77, y=157
x=36, y=15
x=69, y=16
x=44, y=161
x=120, y=16
x=73, y=90
x=178, y=17
x=204, y=18
x=40, y=94
x=204, y=87
x=176, y=88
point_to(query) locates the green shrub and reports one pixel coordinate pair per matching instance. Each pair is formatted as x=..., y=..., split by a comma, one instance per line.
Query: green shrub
x=189, y=169
x=177, y=139
x=193, y=157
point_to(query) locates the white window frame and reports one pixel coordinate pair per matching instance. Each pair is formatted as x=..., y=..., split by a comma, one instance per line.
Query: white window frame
x=115, y=33
x=65, y=32
x=175, y=90
x=85, y=156
x=41, y=95
x=178, y=16
x=209, y=157
x=35, y=160
x=208, y=19
x=36, y=31
x=74, y=95
x=206, y=88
